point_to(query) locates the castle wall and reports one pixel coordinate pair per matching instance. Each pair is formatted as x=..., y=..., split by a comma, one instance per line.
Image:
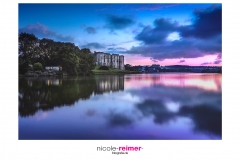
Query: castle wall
x=106, y=59
x=115, y=61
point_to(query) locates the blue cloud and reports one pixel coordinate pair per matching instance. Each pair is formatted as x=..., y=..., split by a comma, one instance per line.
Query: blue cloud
x=93, y=45
x=206, y=23
x=162, y=28
x=115, y=22
x=142, y=7
x=154, y=60
x=42, y=31
x=91, y=30
x=206, y=63
x=184, y=48
x=181, y=61
x=202, y=37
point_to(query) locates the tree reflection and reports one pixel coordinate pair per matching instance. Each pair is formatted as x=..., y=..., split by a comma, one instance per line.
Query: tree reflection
x=46, y=93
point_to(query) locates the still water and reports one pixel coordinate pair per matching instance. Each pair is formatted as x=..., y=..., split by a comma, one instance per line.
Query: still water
x=139, y=106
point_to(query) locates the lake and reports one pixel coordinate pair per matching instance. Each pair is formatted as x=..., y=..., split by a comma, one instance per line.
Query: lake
x=171, y=106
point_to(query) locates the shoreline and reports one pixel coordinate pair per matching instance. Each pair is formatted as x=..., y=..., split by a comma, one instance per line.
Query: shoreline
x=102, y=72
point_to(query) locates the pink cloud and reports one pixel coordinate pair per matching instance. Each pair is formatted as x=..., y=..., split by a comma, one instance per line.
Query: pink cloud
x=140, y=60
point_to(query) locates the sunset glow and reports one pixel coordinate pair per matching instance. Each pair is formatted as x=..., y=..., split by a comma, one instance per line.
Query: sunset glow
x=165, y=34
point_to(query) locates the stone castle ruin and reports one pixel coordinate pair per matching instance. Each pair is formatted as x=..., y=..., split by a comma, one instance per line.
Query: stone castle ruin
x=110, y=60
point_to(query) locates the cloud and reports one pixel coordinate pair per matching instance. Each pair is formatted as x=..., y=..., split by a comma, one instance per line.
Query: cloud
x=112, y=44
x=91, y=30
x=219, y=56
x=154, y=60
x=208, y=103
x=202, y=37
x=152, y=6
x=134, y=7
x=206, y=63
x=140, y=24
x=115, y=22
x=83, y=26
x=104, y=7
x=181, y=61
x=117, y=48
x=155, y=35
x=91, y=112
x=156, y=108
x=217, y=61
x=206, y=23
x=184, y=48
x=117, y=119
x=93, y=45
x=42, y=31
x=206, y=118
x=185, y=96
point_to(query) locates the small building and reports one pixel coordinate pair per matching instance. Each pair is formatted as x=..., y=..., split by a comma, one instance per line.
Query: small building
x=152, y=69
x=54, y=68
x=156, y=65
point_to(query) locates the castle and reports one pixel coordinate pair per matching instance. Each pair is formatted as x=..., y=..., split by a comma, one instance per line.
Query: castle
x=110, y=60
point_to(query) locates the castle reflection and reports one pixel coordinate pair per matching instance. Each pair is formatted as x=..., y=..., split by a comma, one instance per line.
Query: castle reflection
x=108, y=83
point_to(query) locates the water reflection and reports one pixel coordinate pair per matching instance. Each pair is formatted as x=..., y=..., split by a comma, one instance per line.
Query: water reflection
x=206, y=118
x=145, y=106
x=109, y=83
x=210, y=82
x=46, y=93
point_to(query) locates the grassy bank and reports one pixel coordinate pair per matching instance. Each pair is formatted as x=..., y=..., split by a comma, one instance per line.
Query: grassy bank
x=113, y=71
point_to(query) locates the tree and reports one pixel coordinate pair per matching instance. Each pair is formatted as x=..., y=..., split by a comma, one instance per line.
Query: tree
x=23, y=66
x=37, y=66
x=127, y=67
x=27, y=45
x=146, y=68
x=50, y=53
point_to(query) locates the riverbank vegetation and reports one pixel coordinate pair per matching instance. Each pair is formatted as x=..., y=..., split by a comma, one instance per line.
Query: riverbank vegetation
x=40, y=53
x=101, y=70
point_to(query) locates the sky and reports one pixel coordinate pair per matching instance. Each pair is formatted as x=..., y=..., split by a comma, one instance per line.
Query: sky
x=165, y=34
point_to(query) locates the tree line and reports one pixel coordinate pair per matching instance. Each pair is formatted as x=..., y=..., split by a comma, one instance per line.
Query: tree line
x=70, y=58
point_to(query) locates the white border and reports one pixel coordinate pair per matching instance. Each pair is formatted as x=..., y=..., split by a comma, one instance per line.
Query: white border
x=12, y=148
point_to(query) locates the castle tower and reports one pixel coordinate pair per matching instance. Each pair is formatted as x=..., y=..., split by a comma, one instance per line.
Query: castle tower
x=99, y=58
x=115, y=61
x=121, y=62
